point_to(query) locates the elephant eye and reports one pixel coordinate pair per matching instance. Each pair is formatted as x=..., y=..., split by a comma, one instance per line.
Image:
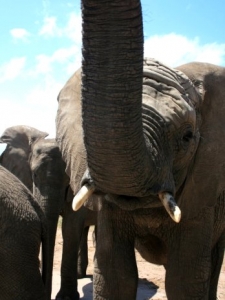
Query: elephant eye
x=187, y=136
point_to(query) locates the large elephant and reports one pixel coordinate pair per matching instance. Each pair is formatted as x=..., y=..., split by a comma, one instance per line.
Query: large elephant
x=154, y=139
x=22, y=230
x=37, y=161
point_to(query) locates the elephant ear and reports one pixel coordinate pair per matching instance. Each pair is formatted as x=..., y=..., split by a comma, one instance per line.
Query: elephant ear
x=15, y=157
x=205, y=181
x=69, y=131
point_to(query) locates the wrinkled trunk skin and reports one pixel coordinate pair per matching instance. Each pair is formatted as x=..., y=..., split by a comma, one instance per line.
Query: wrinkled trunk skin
x=118, y=159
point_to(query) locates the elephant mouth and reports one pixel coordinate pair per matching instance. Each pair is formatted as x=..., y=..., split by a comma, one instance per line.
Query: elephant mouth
x=131, y=203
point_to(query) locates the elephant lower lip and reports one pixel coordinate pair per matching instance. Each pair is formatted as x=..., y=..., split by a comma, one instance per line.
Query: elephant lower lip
x=124, y=202
x=132, y=203
x=155, y=203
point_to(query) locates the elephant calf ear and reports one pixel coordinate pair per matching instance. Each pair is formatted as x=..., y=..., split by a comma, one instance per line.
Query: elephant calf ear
x=21, y=136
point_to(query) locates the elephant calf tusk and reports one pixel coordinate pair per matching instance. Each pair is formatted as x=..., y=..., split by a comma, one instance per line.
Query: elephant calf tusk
x=82, y=195
x=170, y=206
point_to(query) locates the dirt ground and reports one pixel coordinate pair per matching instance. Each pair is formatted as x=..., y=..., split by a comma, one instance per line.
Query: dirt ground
x=151, y=277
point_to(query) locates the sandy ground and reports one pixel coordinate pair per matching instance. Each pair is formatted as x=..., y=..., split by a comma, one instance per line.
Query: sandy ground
x=151, y=277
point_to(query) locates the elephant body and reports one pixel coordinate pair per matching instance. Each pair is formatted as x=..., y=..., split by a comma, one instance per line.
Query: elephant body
x=22, y=230
x=158, y=239
x=153, y=138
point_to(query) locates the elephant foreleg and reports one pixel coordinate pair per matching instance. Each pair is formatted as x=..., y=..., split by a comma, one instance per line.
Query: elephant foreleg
x=217, y=260
x=115, y=273
x=72, y=227
x=188, y=269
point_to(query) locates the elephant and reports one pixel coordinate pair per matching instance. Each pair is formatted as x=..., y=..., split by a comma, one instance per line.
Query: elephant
x=56, y=196
x=37, y=161
x=15, y=157
x=23, y=230
x=153, y=168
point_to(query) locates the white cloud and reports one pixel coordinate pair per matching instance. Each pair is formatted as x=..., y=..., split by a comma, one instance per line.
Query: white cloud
x=43, y=65
x=72, y=29
x=19, y=33
x=37, y=108
x=44, y=96
x=49, y=27
x=68, y=58
x=12, y=69
x=63, y=54
x=174, y=50
x=74, y=64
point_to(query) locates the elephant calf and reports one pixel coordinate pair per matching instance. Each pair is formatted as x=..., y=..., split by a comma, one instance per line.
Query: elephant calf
x=38, y=163
x=22, y=229
x=51, y=188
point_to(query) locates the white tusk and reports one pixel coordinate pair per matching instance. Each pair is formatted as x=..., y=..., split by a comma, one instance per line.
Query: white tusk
x=170, y=205
x=82, y=195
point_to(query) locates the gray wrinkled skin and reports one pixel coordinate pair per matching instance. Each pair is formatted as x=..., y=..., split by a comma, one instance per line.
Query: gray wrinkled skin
x=22, y=230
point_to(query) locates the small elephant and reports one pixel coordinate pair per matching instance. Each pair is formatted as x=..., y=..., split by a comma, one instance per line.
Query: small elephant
x=55, y=195
x=22, y=230
x=153, y=139
x=37, y=161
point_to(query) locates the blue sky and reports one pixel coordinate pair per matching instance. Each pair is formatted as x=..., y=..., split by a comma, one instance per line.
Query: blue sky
x=41, y=42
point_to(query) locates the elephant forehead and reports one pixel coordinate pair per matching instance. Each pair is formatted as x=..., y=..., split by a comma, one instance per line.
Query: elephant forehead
x=45, y=151
x=175, y=111
x=170, y=93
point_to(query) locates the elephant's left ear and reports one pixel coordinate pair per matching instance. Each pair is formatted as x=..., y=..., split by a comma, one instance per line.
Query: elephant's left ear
x=194, y=87
x=205, y=182
x=37, y=135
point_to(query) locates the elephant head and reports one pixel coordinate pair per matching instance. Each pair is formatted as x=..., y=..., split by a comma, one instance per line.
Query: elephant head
x=141, y=119
x=146, y=127
x=50, y=184
x=15, y=157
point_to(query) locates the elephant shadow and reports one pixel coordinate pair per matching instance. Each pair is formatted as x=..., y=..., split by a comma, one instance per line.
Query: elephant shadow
x=146, y=289
x=87, y=288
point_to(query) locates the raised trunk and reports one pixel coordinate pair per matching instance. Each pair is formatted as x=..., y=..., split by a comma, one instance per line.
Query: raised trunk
x=112, y=97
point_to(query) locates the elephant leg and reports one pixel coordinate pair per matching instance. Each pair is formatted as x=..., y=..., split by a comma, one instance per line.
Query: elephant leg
x=115, y=272
x=217, y=260
x=52, y=228
x=72, y=227
x=83, y=254
x=188, y=269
